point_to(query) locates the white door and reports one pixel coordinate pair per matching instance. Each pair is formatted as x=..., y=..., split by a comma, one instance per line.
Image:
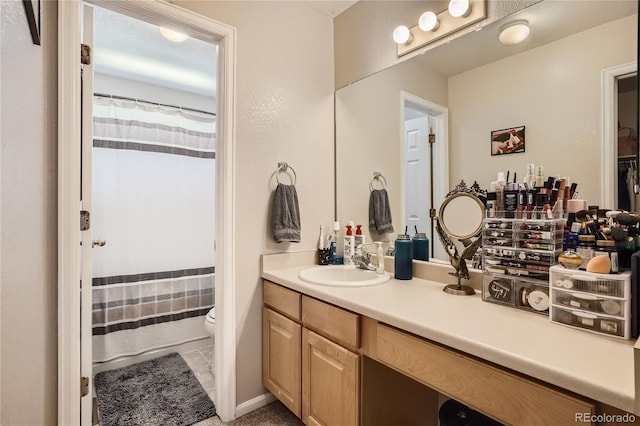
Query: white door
x=86, y=402
x=417, y=185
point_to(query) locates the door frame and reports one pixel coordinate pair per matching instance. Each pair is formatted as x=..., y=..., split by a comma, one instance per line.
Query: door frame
x=610, y=131
x=69, y=179
x=440, y=172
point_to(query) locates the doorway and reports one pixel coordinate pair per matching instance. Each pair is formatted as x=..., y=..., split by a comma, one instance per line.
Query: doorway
x=72, y=256
x=425, y=165
x=619, y=84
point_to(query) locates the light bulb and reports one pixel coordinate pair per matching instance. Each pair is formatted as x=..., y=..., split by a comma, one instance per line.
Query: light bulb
x=459, y=8
x=428, y=21
x=172, y=35
x=402, y=35
x=514, y=32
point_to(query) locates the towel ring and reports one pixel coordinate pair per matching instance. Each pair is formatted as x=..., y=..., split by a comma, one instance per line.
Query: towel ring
x=282, y=168
x=377, y=176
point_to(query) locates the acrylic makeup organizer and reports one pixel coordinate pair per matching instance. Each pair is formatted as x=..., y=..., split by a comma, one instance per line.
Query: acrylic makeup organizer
x=284, y=168
x=599, y=303
x=517, y=255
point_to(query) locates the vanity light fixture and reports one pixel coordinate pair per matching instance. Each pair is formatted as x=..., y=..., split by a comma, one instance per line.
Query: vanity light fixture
x=172, y=35
x=459, y=8
x=428, y=21
x=514, y=32
x=436, y=24
x=402, y=35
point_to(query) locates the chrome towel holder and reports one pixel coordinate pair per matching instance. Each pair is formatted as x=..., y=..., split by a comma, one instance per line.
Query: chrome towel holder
x=283, y=168
x=377, y=176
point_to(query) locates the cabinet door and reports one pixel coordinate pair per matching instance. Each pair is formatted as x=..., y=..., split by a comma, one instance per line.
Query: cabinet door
x=281, y=346
x=330, y=382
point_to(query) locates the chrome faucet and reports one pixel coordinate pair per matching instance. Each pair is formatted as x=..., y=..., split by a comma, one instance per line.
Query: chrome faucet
x=362, y=259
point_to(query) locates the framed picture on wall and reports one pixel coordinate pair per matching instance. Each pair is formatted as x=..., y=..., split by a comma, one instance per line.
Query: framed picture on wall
x=507, y=141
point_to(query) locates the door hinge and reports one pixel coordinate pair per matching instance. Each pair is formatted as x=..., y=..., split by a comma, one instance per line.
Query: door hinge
x=85, y=220
x=432, y=213
x=85, y=54
x=84, y=386
x=432, y=138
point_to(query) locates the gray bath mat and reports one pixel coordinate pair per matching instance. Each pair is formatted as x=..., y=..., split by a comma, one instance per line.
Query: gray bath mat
x=161, y=391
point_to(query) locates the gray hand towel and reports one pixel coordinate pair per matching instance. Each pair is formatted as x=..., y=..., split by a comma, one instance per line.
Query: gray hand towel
x=380, y=212
x=286, y=214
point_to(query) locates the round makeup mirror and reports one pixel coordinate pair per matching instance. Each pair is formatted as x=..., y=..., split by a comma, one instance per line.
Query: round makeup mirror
x=460, y=218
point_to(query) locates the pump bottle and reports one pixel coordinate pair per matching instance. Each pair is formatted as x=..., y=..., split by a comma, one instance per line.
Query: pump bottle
x=349, y=246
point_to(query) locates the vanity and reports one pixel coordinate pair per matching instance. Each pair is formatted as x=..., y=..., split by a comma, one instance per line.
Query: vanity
x=381, y=354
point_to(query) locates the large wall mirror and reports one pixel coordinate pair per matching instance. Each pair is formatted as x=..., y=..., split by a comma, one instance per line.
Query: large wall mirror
x=553, y=84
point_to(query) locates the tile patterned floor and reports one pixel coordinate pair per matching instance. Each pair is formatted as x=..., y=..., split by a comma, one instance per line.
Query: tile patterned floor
x=201, y=362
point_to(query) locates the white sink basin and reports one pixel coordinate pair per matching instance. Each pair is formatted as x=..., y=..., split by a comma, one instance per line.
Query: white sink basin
x=342, y=276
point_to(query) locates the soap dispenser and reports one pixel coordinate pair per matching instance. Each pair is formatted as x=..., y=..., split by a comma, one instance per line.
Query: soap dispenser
x=380, y=256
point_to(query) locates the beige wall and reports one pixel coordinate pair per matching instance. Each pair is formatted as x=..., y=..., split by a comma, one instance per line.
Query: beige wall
x=368, y=137
x=284, y=112
x=553, y=90
x=28, y=219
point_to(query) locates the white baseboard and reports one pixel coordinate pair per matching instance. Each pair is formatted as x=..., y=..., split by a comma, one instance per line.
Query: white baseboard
x=254, y=404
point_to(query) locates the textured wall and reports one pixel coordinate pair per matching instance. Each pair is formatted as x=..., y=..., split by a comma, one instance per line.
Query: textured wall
x=284, y=112
x=28, y=219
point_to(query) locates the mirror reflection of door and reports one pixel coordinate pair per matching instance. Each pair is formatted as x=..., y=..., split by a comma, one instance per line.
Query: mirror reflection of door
x=627, y=112
x=423, y=166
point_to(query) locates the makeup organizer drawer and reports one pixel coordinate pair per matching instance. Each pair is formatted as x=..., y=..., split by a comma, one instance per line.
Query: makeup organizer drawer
x=600, y=303
x=521, y=247
x=526, y=294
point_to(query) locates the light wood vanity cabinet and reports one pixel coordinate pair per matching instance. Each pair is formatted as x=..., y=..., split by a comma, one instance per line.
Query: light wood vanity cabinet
x=310, y=360
x=331, y=366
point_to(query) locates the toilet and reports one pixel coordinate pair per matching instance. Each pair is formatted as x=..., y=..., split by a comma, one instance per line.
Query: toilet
x=210, y=323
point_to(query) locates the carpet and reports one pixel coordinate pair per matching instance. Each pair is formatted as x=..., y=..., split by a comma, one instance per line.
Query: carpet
x=161, y=391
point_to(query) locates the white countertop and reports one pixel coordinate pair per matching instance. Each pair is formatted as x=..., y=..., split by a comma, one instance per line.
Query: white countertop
x=595, y=366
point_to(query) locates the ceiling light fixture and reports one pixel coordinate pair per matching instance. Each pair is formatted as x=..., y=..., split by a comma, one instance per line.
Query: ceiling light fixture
x=459, y=8
x=434, y=25
x=402, y=35
x=514, y=32
x=172, y=35
x=428, y=21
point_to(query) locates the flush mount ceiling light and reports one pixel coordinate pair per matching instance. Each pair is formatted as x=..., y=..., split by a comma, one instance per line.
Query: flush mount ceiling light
x=402, y=35
x=459, y=8
x=514, y=32
x=428, y=21
x=172, y=35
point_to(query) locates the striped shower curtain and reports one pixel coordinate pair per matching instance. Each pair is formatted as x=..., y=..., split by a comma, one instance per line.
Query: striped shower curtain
x=153, y=203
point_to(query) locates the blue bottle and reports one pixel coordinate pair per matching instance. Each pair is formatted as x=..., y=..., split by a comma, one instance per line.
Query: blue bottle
x=403, y=258
x=420, y=246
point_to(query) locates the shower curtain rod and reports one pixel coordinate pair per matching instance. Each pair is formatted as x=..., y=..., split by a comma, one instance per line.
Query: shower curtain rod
x=125, y=98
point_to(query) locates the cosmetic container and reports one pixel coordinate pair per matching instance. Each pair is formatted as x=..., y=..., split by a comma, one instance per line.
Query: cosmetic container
x=335, y=249
x=349, y=246
x=420, y=246
x=500, y=187
x=608, y=248
x=359, y=237
x=570, y=259
x=586, y=248
x=403, y=258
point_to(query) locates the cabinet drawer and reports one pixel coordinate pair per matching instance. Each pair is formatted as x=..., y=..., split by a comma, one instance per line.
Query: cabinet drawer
x=509, y=398
x=282, y=299
x=331, y=321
